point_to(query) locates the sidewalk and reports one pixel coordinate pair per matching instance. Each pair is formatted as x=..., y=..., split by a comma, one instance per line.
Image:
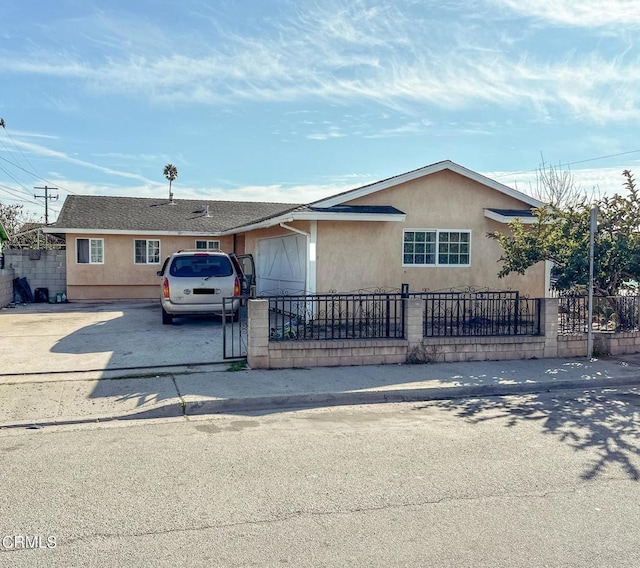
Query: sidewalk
x=28, y=400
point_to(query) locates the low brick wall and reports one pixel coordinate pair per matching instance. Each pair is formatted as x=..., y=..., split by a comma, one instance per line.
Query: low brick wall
x=572, y=345
x=617, y=343
x=291, y=354
x=604, y=343
x=448, y=349
x=6, y=286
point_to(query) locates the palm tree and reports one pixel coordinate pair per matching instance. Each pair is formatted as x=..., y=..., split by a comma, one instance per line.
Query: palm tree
x=171, y=173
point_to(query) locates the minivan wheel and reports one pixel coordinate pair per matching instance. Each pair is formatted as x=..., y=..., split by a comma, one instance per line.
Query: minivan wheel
x=166, y=318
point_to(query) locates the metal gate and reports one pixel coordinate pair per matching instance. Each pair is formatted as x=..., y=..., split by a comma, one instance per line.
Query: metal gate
x=235, y=329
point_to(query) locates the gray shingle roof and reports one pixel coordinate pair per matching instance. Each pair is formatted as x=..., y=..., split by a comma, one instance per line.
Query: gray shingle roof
x=146, y=214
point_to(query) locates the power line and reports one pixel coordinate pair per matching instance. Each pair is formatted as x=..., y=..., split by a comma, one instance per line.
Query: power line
x=15, y=196
x=31, y=173
x=572, y=163
x=19, y=150
x=15, y=179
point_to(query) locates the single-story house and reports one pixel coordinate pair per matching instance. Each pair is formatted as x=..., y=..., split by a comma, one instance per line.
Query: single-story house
x=426, y=227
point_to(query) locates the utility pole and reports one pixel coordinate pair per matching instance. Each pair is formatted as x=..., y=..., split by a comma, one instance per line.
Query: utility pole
x=593, y=227
x=46, y=201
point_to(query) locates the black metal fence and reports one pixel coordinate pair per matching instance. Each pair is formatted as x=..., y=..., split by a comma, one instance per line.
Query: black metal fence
x=610, y=313
x=479, y=313
x=381, y=315
x=336, y=316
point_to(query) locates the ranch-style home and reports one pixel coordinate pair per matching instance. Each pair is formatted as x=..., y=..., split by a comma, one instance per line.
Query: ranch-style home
x=426, y=227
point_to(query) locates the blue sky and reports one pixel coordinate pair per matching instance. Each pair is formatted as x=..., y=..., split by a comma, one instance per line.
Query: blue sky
x=284, y=100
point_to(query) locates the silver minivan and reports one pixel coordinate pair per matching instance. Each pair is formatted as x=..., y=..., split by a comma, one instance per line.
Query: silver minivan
x=195, y=282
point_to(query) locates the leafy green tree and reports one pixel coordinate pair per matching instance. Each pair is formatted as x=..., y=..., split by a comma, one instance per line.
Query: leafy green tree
x=14, y=219
x=562, y=236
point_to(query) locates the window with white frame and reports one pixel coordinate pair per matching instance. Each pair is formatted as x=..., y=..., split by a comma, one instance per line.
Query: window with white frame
x=208, y=245
x=432, y=247
x=89, y=251
x=147, y=251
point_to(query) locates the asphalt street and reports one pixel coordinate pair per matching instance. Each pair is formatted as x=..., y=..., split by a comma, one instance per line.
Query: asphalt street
x=535, y=480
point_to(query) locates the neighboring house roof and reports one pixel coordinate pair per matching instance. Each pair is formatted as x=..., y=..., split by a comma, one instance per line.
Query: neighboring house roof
x=91, y=213
x=30, y=227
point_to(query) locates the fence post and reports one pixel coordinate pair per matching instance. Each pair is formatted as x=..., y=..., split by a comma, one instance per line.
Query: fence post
x=414, y=317
x=516, y=319
x=258, y=334
x=549, y=326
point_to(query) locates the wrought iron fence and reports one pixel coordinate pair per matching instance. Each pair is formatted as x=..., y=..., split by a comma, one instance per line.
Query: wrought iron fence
x=336, y=316
x=610, y=313
x=479, y=313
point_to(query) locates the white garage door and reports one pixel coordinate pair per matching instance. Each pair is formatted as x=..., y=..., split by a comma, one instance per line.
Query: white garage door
x=281, y=265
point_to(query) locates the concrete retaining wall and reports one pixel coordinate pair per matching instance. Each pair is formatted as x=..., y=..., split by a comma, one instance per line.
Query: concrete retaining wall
x=41, y=268
x=6, y=286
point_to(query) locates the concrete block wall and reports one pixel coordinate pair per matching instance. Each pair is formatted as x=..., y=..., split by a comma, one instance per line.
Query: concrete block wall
x=619, y=343
x=41, y=268
x=334, y=353
x=458, y=349
x=572, y=345
x=6, y=286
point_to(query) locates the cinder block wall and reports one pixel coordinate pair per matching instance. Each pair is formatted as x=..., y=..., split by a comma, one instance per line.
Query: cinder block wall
x=6, y=287
x=41, y=268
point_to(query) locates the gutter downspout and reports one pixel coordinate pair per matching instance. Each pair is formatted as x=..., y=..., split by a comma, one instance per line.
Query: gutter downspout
x=294, y=230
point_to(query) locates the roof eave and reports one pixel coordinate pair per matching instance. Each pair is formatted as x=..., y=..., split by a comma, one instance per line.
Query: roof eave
x=316, y=216
x=78, y=231
x=506, y=219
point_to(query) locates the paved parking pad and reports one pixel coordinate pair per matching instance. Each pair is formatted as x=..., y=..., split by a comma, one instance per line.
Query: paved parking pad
x=63, y=338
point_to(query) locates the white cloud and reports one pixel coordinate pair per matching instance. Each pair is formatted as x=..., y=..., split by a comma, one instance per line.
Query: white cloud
x=579, y=13
x=361, y=50
x=50, y=153
x=332, y=132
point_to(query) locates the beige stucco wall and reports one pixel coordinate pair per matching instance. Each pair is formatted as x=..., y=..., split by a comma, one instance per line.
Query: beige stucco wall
x=119, y=277
x=355, y=255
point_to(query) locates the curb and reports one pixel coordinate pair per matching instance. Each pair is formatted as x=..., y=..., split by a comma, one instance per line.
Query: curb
x=185, y=409
x=352, y=398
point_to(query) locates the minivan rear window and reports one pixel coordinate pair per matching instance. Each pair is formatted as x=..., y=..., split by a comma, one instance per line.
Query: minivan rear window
x=201, y=266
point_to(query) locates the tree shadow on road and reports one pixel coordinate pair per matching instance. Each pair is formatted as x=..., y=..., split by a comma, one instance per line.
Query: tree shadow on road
x=605, y=422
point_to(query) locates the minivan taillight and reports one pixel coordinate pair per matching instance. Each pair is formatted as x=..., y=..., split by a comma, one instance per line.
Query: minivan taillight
x=165, y=288
x=236, y=287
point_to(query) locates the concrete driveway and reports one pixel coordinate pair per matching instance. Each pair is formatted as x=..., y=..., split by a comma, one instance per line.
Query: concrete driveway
x=91, y=336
